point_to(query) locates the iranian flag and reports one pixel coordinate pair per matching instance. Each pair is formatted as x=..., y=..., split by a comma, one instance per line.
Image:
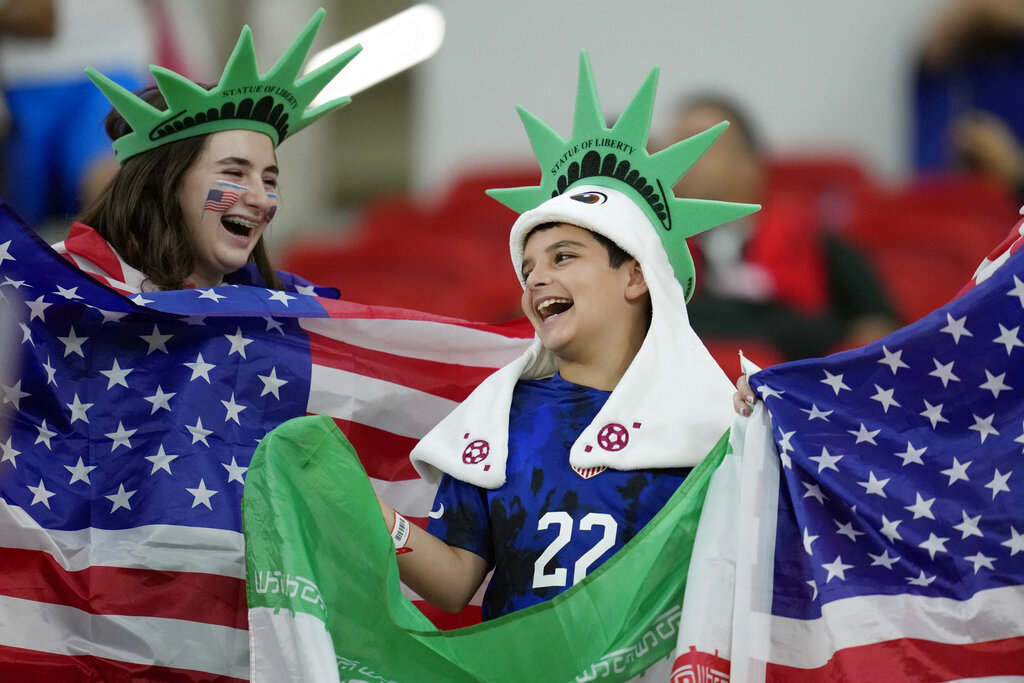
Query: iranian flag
x=325, y=601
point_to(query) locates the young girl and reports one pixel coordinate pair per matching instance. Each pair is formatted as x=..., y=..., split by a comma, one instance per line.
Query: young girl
x=197, y=184
x=193, y=212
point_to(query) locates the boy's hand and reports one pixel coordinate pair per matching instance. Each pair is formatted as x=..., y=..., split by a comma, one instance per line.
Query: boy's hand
x=744, y=397
x=444, y=575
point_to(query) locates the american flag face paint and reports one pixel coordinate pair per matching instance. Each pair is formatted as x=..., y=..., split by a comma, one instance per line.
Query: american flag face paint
x=223, y=195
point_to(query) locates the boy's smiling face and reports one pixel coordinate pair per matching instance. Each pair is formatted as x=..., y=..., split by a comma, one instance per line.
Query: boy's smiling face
x=577, y=302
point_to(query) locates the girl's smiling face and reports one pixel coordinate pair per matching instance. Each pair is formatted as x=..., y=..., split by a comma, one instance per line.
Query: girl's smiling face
x=228, y=197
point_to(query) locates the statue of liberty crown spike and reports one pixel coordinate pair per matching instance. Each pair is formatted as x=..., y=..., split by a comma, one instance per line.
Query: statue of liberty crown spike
x=617, y=158
x=275, y=103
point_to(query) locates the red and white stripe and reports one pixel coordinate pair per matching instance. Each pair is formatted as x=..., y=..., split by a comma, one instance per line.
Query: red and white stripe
x=926, y=640
x=151, y=603
x=998, y=256
x=91, y=254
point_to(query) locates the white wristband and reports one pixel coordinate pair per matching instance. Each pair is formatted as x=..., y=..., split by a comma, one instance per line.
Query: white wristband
x=400, y=534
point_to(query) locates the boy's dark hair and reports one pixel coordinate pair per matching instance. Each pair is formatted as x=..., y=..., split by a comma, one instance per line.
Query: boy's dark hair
x=616, y=254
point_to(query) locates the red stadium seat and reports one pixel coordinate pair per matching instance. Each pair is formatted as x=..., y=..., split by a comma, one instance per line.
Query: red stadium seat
x=927, y=238
x=449, y=258
x=835, y=182
x=725, y=351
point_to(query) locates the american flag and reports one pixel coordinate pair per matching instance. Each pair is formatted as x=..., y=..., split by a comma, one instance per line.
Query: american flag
x=130, y=421
x=899, y=548
x=221, y=200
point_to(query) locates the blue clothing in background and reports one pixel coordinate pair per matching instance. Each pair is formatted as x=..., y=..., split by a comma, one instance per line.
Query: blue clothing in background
x=989, y=82
x=57, y=133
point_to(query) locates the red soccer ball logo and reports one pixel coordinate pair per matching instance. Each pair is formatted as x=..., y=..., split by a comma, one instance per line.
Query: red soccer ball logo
x=613, y=437
x=476, y=451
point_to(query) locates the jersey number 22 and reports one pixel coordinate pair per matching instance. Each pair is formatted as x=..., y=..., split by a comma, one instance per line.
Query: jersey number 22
x=543, y=577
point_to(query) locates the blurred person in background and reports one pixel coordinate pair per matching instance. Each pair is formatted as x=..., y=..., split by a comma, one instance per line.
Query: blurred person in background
x=57, y=156
x=778, y=276
x=968, y=101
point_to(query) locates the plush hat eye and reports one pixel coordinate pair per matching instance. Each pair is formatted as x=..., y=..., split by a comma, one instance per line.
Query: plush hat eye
x=590, y=197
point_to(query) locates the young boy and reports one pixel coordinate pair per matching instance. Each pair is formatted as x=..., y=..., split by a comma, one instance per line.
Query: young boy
x=558, y=459
x=589, y=303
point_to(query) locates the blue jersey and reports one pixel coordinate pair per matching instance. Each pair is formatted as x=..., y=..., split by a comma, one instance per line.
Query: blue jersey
x=548, y=526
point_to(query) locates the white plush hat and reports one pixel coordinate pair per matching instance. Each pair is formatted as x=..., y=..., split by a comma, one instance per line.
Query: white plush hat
x=674, y=402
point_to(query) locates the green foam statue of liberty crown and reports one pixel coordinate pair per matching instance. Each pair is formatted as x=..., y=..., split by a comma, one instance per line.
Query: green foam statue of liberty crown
x=617, y=158
x=275, y=103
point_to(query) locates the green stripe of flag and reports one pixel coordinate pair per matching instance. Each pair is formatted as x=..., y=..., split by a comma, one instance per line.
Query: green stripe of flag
x=316, y=544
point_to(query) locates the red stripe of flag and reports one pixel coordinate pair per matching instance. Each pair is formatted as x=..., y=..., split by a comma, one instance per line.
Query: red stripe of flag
x=517, y=328
x=385, y=455
x=447, y=380
x=32, y=665
x=911, y=659
x=87, y=243
x=35, y=575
